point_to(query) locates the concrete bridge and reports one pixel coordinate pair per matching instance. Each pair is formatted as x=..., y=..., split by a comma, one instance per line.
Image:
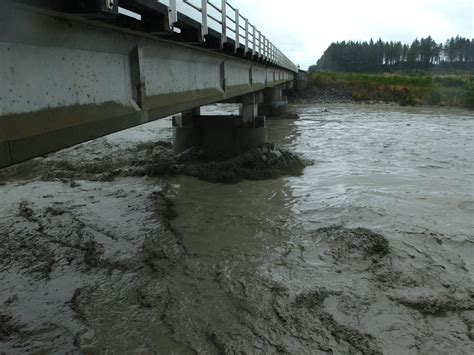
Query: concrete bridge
x=75, y=70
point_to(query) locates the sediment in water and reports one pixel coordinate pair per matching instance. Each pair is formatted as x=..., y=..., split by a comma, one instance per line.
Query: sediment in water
x=158, y=160
x=60, y=253
x=331, y=290
x=259, y=164
x=342, y=305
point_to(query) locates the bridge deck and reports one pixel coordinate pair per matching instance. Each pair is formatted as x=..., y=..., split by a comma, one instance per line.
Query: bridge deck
x=67, y=79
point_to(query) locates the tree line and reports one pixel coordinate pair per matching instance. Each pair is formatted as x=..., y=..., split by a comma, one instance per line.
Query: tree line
x=424, y=53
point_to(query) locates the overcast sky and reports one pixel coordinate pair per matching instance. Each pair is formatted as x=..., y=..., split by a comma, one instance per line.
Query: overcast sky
x=303, y=29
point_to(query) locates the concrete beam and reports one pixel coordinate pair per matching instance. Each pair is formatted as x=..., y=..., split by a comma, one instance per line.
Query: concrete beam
x=66, y=80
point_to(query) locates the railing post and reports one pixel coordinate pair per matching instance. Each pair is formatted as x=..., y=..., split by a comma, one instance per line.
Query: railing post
x=246, y=35
x=204, y=28
x=237, y=29
x=259, y=43
x=224, y=22
x=268, y=49
x=257, y=40
x=254, y=50
x=172, y=13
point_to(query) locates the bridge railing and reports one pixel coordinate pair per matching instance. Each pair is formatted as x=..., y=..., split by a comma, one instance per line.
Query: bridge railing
x=232, y=25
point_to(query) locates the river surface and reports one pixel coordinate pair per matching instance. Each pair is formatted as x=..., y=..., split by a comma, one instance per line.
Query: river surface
x=380, y=167
x=370, y=250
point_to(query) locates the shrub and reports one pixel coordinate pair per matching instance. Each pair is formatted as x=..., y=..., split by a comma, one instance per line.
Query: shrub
x=433, y=97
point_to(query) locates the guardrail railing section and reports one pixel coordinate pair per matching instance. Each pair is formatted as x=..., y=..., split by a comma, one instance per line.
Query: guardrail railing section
x=233, y=26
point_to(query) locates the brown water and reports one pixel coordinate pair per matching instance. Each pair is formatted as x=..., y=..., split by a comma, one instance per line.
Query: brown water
x=95, y=266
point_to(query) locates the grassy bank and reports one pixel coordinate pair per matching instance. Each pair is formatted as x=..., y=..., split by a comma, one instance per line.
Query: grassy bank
x=445, y=90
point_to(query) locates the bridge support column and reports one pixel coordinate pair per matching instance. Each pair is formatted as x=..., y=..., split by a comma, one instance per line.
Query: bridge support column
x=301, y=81
x=186, y=130
x=223, y=134
x=249, y=108
x=274, y=102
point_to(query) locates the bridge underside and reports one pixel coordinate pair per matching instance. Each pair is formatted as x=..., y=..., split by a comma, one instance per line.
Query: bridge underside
x=66, y=80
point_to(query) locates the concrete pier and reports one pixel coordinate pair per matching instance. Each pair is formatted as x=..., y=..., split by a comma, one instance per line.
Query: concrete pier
x=301, y=81
x=222, y=134
x=274, y=102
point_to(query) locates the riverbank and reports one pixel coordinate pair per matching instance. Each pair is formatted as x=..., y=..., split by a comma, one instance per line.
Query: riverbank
x=455, y=90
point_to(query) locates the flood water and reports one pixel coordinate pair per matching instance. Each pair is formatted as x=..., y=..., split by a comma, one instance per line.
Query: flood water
x=383, y=168
x=293, y=265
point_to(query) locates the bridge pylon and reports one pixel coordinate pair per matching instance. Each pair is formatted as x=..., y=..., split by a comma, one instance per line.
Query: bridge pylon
x=221, y=134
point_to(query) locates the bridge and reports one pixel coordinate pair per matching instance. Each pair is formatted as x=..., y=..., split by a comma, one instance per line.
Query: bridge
x=75, y=70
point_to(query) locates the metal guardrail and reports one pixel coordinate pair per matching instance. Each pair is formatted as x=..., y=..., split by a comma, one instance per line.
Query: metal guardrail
x=233, y=25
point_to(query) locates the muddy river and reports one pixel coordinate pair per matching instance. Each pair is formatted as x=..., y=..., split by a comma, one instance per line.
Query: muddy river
x=370, y=250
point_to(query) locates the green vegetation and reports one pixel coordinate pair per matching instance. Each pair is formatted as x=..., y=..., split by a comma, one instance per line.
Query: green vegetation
x=421, y=89
x=423, y=73
x=349, y=56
